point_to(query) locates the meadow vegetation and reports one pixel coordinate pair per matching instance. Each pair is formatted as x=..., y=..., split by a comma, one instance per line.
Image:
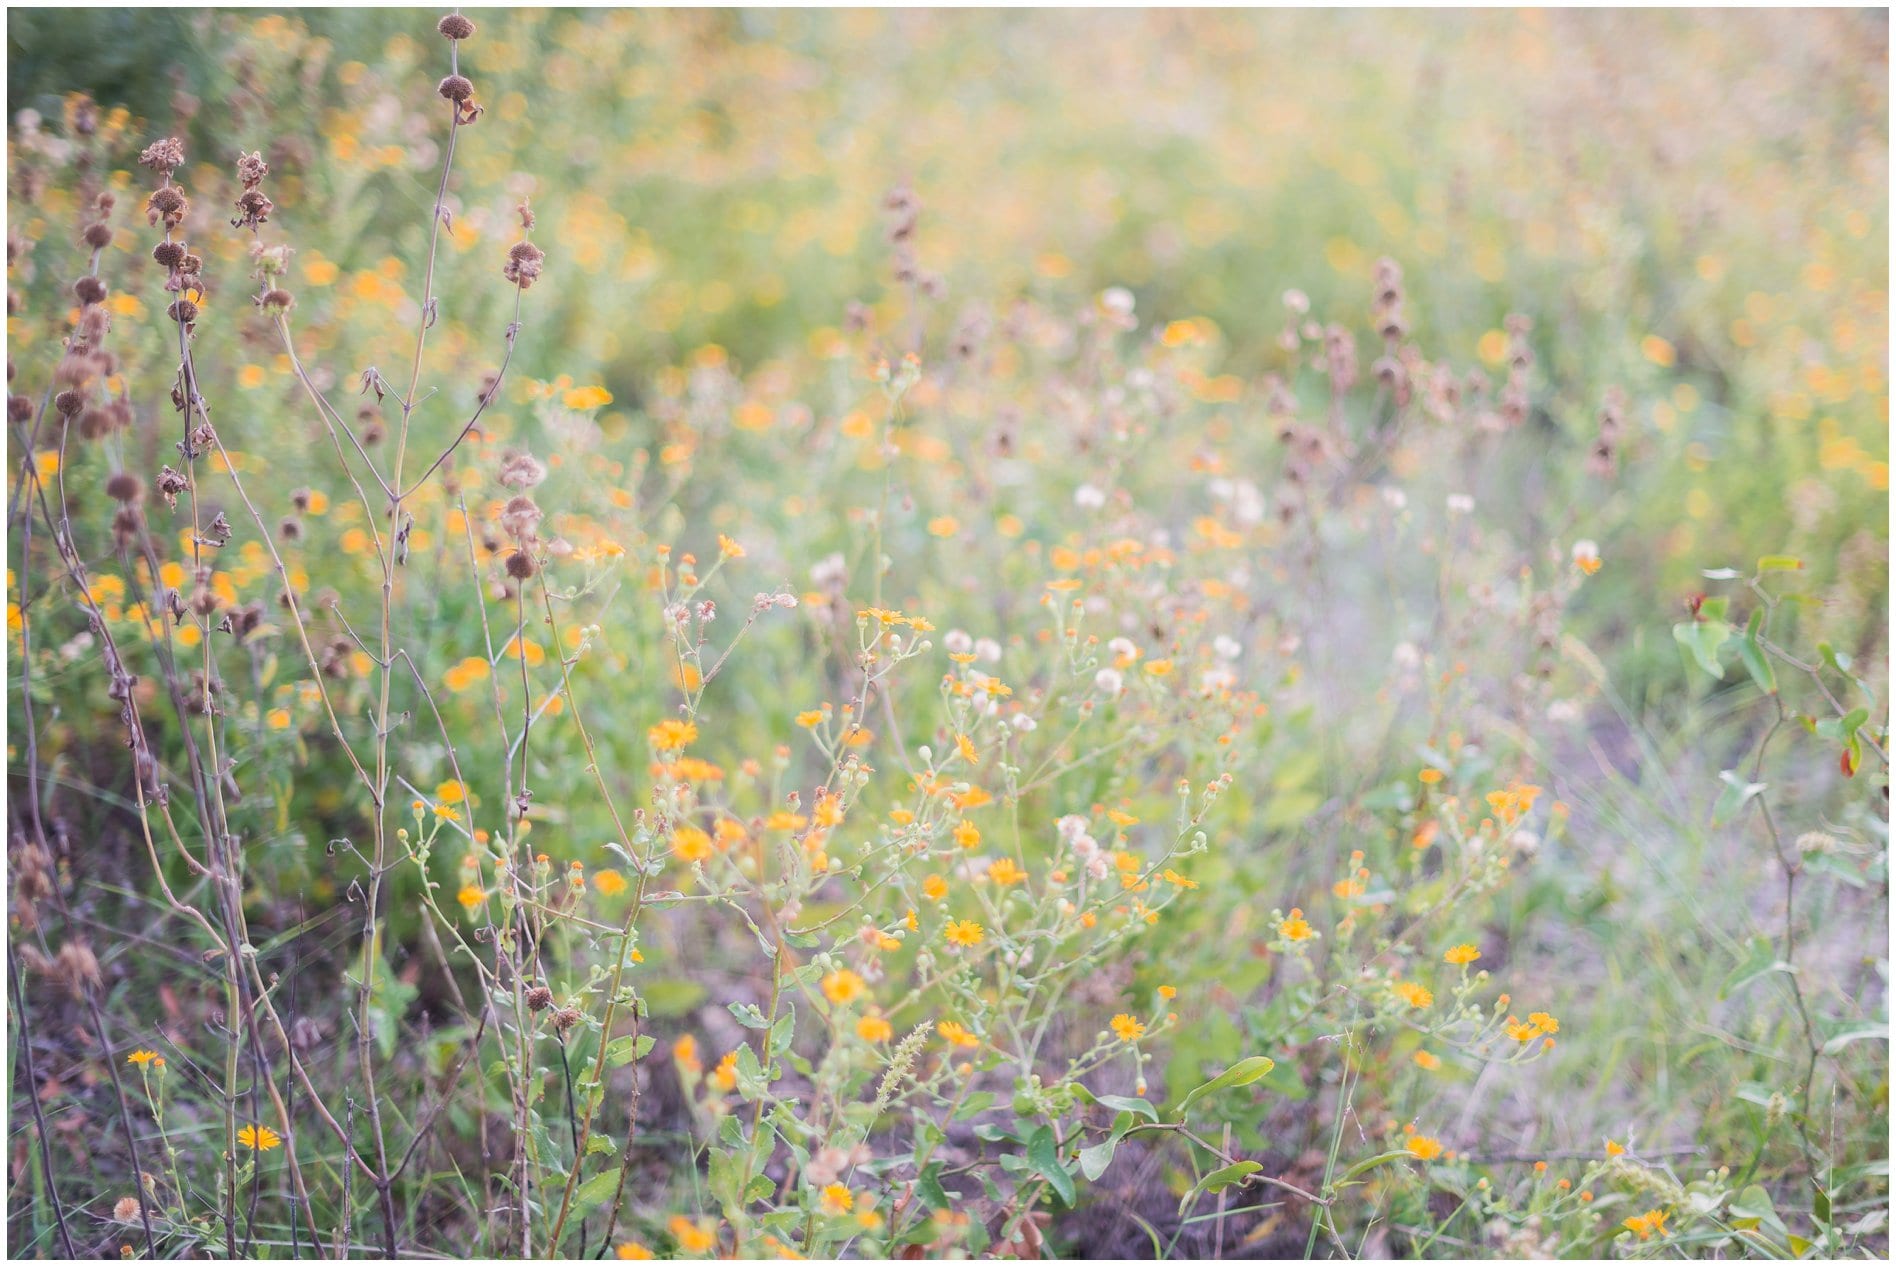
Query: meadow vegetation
x=782, y=634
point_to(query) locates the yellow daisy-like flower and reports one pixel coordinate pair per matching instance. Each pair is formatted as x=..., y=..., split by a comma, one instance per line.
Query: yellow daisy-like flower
x=837, y=1199
x=964, y=932
x=258, y=1137
x=843, y=986
x=1428, y=1060
x=958, y=1034
x=609, y=883
x=874, y=1029
x=693, y=1238
x=1295, y=927
x=1465, y=953
x=1005, y=872
x=471, y=896
x=633, y=1250
x=1412, y=994
x=1127, y=1028
x=142, y=1057
x=1425, y=1148
x=671, y=734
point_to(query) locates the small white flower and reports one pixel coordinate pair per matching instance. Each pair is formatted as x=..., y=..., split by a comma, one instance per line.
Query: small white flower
x=957, y=641
x=988, y=650
x=1109, y=681
x=1086, y=497
x=1460, y=504
x=1227, y=647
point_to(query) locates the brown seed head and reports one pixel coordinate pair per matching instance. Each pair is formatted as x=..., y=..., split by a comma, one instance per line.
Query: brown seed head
x=455, y=27
x=456, y=88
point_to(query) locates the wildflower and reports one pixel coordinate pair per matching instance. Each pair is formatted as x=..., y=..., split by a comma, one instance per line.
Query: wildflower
x=1547, y=1023
x=692, y=844
x=843, y=986
x=1294, y=927
x=1614, y=1148
x=671, y=735
x=1174, y=878
x=456, y=27
x=874, y=1029
x=609, y=883
x=967, y=835
x=809, y=718
x=1168, y=992
x=1586, y=557
x=1424, y=1148
x=632, y=1249
x=1428, y=1060
x=964, y=932
x=837, y=1199
x=258, y=1137
x=1005, y=872
x=141, y=1057
x=965, y=746
x=1646, y=1226
x=724, y=1077
x=934, y=888
x=693, y=1238
x=1414, y=995
x=128, y=1210
x=1466, y=953
x=1128, y=1029
x=957, y=1034
x=471, y=896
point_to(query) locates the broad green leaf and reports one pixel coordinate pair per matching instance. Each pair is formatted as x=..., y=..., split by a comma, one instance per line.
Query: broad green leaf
x=1246, y=1071
x=1703, y=638
x=1220, y=1179
x=1761, y=959
x=1043, y=1154
x=1751, y=652
x=596, y=1190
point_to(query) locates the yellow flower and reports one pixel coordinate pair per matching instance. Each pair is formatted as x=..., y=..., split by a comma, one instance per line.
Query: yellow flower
x=729, y=548
x=1424, y=1148
x=1428, y=1060
x=1646, y=1226
x=609, y=883
x=141, y=1057
x=692, y=844
x=964, y=932
x=693, y=1238
x=1614, y=1148
x=1412, y=994
x=471, y=896
x=958, y=1034
x=837, y=1199
x=967, y=835
x=1128, y=1029
x=843, y=986
x=1174, y=878
x=450, y=792
x=1005, y=871
x=965, y=746
x=810, y=717
x=632, y=1249
x=1168, y=992
x=1547, y=1024
x=1295, y=927
x=1466, y=953
x=260, y=1138
x=671, y=735
x=874, y=1029
x=584, y=398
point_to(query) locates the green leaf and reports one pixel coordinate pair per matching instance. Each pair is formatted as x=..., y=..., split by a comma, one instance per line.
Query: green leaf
x=1761, y=958
x=1043, y=1155
x=1370, y=1163
x=627, y=1048
x=1095, y=1158
x=1246, y=1071
x=1703, y=638
x=1736, y=796
x=928, y=1188
x=596, y=1190
x=748, y=1015
x=1123, y=1104
x=1856, y=1033
x=1220, y=1179
x=1756, y=663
